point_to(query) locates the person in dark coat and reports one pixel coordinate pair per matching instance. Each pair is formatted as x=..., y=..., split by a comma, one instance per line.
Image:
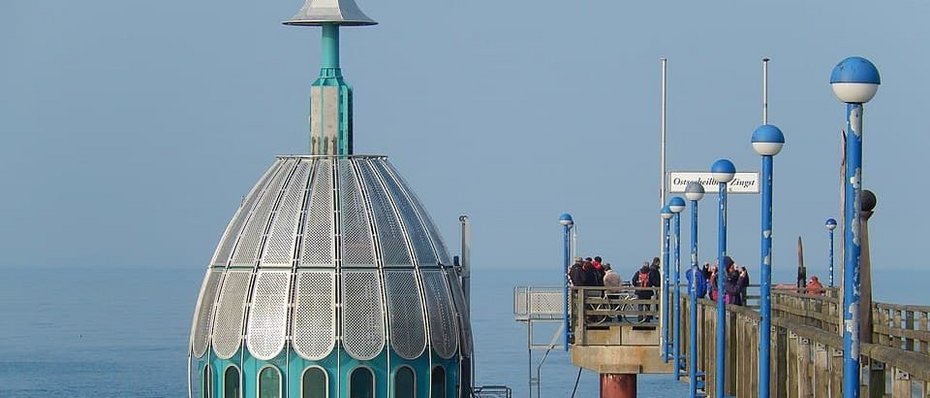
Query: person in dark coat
x=576, y=273
x=646, y=277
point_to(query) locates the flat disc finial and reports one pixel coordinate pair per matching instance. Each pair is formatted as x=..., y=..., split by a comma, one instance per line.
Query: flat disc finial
x=338, y=12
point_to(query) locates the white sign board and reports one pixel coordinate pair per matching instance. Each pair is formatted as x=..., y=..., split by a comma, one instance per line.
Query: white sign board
x=742, y=182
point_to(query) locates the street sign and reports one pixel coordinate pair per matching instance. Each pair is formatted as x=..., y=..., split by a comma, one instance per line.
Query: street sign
x=746, y=182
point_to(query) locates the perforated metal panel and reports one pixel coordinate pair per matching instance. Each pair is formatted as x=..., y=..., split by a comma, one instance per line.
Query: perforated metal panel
x=267, y=326
x=418, y=237
x=224, y=249
x=247, y=248
x=357, y=247
x=362, y=319
x=227, y=328
x=438, y=242
x=405, y=314
x=390, y=233
x=314, y=320
x=279, y=247
x=461, y=308
x=203, y=320
x=317, y=249
x=442, y=328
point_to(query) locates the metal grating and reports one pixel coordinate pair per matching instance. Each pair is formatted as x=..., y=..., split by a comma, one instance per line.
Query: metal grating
x=357, y=247
x=227, y=328
x=362, y=319
x=442, y=331
x=405, y=314
x=203, y=320
x=279, y=247
x=438, y=242
x=250, y=242
x=418, y=237
x=390, y=233
x=221, y=257
x=461, y=308
x=317, y=247
x=314, y=320
x=267, y=326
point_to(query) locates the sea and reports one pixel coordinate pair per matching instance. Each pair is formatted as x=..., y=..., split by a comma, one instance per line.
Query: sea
x=123, y=332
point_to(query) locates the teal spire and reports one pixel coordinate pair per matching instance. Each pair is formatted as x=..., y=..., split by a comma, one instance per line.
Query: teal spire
x=330, y=95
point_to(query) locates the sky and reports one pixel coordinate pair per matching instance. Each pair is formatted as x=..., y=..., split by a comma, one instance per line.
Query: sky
x=131, y=129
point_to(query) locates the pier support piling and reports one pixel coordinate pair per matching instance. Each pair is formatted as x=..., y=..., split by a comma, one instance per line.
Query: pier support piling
x=615, y=385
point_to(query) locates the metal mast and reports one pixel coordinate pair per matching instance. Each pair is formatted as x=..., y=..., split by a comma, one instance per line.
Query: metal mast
x=330, y=95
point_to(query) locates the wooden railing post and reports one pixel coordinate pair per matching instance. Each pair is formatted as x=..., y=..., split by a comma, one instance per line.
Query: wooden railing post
x=900, y=384
x=876, y=379
x=821, y=371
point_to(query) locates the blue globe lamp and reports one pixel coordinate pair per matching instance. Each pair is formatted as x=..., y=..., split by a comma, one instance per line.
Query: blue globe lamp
x=676, y=204
x=830, y=225
x=566, y=220
x=855, y=80
x=723, y=171
x=767, y=140
x=694, y=191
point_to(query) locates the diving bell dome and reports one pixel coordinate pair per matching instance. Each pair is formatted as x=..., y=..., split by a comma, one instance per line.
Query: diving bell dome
x=331, y=265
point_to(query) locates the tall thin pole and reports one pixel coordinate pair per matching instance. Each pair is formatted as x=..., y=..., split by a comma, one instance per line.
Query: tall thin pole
x=765, y=308
x=765, y=91
x=676, y=316
x=851, y=269
x=664, y=303
x=692, y=313
x=566, y=261
x=721, y=358
x=663, y=275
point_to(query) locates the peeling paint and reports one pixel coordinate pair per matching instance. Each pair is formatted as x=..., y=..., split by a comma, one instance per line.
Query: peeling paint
x=767, y=260
x=767, y=234
x=855, y=120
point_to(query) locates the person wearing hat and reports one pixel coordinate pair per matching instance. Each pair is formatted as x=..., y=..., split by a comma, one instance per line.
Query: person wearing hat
x=576, y=274
x=814, y=287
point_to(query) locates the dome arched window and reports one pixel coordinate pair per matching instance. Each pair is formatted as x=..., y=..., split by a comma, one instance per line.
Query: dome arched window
x=438, y=383
x=232, y=383
x=362, y=383
x=405, y=385
x=269, y=382
x=314, y=383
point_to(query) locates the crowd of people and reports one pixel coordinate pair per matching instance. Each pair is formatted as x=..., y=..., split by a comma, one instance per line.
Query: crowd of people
x=595, y=272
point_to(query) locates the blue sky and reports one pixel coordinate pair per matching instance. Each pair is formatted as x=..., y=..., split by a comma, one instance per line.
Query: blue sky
x=132, y=128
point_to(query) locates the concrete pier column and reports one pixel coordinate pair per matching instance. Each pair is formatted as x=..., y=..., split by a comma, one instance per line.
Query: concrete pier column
x=618, y=385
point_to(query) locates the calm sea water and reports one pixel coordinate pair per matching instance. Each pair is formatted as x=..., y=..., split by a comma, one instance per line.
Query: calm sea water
x=122, y=332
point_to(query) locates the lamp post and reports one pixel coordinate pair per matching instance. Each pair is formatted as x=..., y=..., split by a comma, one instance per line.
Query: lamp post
x=854, y=81
x=565, y=220
x=767, y=140
x=830, y=225
x=693, y=192
x=666, y=215
x=723, y=171
x=676, y=205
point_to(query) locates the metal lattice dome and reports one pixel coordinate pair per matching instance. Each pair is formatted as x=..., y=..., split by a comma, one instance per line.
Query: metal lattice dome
x=332, y=262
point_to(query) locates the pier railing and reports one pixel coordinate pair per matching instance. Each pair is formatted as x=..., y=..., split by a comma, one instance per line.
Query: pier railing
x=807, y=360
x=902, y=326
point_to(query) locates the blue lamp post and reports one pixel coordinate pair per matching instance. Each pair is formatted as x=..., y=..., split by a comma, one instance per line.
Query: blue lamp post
x=565, y=220
x=666, y=215
x=723, y=171
x=677, y=205
x=767, y=140
x=830, y=225
x=854, y=81
x=693, y=192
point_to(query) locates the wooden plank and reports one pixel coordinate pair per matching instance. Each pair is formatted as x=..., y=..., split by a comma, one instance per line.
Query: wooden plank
x=909, y=326
x=804, y=369
x=900, y=384
x=821, y=371
x=779, y=387
x=792, y=379
x=876, y=379
x=836, y=372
